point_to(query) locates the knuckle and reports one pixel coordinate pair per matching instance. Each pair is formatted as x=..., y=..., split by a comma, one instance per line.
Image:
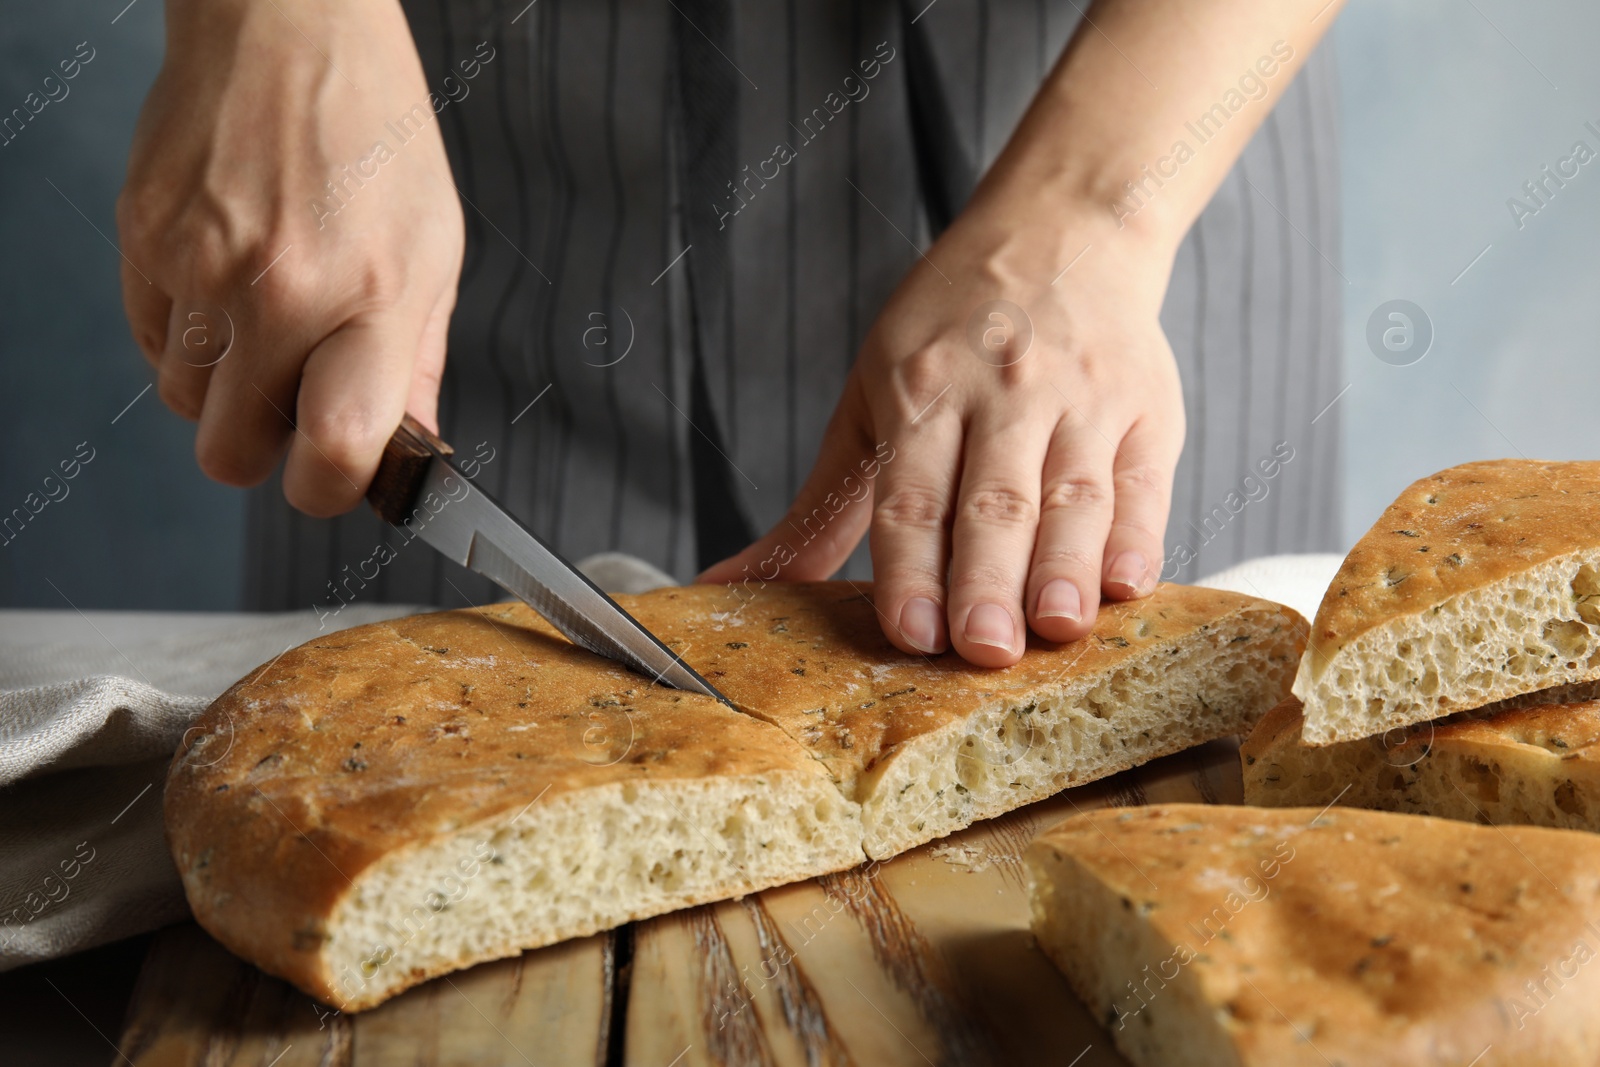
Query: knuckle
x=1074, y=353
x=987, y=577
x=902, y=579
x=915, y=507
x=1138, y=528
x=1073, y=559
x=920, y=380
x=210, y=263
x=999, y=505
x=921, y=368
x=898, y=579
x=346, y=434
x=1075, y=492
x=276, y=279
x=1143, y=478
x=375, y=285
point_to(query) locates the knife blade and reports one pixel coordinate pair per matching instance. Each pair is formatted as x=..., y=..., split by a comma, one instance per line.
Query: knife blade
x=418, y=488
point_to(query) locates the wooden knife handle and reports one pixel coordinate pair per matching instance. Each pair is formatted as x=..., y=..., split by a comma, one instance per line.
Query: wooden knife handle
x=395, y=487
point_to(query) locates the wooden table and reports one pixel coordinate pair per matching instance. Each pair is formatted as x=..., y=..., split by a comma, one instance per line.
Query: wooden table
x=926, y=959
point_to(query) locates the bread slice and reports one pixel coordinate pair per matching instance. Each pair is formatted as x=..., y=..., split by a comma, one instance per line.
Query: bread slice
x=1207, y=936
x=408, y=798
x=927, y=745
x=1477, y=584
x=1536, y=765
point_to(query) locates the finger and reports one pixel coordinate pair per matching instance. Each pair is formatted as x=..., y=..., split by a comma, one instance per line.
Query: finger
x=147, y=307
x=1075, y=512
x=249, y=404
x=1142, y=480
x=187, y=360
x=992, y=537
x=353, y=394
x=428, y=372
x=828, y=516
x=912, y=499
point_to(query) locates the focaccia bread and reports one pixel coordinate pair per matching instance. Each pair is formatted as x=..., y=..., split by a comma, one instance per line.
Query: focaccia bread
x=928, y=745
x=1206, y=936
x=1477, y=584
x=1537, y=765
x=403, y=799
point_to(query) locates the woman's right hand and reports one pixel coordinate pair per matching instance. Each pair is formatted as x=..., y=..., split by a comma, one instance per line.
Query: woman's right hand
x=260, y=204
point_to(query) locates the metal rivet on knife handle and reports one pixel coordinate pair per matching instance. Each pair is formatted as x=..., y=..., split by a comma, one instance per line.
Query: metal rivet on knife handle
x=395, y=487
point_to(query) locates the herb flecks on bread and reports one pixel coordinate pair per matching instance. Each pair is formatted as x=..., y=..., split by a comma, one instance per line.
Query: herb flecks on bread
x=928, y=745
x=1479, y=583
x=1537, y=765
x=1205, y=936
x=408, y=798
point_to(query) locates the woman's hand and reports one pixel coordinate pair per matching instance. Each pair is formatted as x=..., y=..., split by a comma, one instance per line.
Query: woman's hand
x=1040, y=483
x=1029, y=456
x=262, y=223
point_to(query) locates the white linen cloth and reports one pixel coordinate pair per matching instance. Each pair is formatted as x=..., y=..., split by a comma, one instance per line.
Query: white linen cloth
x=92, y=706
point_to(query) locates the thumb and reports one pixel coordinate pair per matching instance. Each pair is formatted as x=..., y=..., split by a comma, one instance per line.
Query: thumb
x=829, y=515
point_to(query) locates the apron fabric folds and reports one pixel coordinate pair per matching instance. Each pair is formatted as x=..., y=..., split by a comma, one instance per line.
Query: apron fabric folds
x=682, y=217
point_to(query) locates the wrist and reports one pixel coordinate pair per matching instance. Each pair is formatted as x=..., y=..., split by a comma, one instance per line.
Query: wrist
x=1040, y=234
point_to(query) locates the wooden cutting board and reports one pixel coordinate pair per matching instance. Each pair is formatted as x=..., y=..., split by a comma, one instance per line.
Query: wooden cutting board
x=925, y=959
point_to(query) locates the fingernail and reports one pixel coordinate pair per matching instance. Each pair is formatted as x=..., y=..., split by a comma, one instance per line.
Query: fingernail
x=990, y=624
x=919, y=624
x=1130, y=569
x=1059, y=600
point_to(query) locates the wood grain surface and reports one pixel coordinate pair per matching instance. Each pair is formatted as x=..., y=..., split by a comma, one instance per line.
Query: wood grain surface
x=924, y=959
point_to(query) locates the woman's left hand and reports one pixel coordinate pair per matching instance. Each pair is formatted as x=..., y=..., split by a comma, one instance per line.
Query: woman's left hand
x=1023, y=420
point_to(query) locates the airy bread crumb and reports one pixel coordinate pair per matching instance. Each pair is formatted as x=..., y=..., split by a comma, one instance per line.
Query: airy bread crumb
x=1212, y=936
x=404, y=799
x=1478, y=584
x=1536, y=765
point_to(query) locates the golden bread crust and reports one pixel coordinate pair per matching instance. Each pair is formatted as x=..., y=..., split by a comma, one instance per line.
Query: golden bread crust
x=321, y=774
x=370, y=741
x=1461, y=529
x=812, y=659
x=1342, y=936
x=1533, y=763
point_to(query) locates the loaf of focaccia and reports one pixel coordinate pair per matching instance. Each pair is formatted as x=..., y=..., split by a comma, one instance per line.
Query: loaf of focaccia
x=396, y=801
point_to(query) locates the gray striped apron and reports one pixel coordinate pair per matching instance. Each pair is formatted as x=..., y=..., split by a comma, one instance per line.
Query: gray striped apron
x=659, y=306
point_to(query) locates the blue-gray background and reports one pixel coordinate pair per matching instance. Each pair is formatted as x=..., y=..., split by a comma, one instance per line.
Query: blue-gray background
x=1448, y=107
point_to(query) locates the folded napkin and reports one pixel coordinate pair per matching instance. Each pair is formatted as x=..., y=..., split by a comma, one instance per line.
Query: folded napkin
x=92, y=706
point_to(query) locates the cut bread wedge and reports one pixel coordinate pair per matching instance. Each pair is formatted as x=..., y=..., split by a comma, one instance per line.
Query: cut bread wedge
x=403, y=799
x=1479, y=583
x=927, y=746
x=1208, y=936
x=399, y=800
x=1537, y=765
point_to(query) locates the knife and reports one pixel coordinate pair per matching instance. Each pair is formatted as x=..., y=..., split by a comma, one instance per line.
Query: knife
x=417, y=487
